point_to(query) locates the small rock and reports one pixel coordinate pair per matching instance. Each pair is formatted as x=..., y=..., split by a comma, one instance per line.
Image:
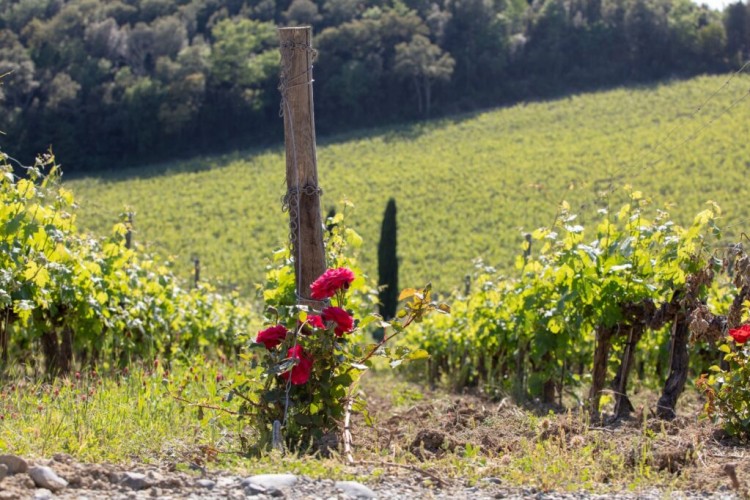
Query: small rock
x=63, y=458
x=355, y=490
x=154, y=476
x=135, y=481
x=269, y=481
x=253, y=489
x=492, y=480
x=44, y=477
x=15, y=465
x=227, y=482
x=206, y=483
x=42, y=494
x=3, y=471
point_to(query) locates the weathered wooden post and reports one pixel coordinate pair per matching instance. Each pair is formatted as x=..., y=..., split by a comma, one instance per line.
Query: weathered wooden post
x=302, y=199
x=196, y=271
x=129, y=233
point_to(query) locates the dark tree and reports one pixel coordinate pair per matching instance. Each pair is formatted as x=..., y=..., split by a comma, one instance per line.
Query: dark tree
x=737, y=26
x=388, y=263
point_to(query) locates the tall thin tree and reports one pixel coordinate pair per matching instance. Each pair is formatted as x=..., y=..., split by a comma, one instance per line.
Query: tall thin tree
x=388, y=262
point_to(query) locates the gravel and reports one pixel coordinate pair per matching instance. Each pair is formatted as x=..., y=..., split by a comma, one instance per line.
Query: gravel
x=64, y=478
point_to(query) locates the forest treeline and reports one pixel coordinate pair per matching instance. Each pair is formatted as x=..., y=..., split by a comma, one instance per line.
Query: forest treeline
x=108, y=82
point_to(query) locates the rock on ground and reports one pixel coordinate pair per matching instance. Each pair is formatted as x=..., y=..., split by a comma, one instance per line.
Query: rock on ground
x=15, y=465
x=44, y=477
x=99, y=482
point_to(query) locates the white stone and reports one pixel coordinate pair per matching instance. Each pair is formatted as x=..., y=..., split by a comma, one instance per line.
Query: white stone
x=206, y=483
x=42, y=494
x=44, y=477
x=354, y=489
x=270, y=481
x=135, y=481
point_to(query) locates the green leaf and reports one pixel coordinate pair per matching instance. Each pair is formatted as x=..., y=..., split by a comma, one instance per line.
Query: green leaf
x=407, y=293
x=370, y=318
x=417, y=354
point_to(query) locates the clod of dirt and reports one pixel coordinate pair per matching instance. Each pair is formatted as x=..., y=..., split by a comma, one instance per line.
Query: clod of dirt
x=673, y=459
x=431, y=442
x=15, y=465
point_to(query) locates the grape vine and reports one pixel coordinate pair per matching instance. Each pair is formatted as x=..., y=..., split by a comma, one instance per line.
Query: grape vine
x=80, y=298
x=591, y=303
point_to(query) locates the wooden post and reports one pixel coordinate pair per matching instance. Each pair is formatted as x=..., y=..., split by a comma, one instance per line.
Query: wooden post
x=129, y=233
x=303, y=194
x=527, y=251
x=196, y=271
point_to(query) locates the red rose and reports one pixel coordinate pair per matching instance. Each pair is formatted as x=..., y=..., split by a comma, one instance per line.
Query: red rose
x=316, y=321
x=331, y=282
x=344, y=321
x=272, y=336
x=741, y=334
x=300, y=373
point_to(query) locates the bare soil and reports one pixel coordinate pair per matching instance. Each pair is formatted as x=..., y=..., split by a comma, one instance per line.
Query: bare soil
x=428, y=444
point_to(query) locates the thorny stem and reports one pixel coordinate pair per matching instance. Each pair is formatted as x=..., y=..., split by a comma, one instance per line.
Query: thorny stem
x=409, y=320
x=202, y=405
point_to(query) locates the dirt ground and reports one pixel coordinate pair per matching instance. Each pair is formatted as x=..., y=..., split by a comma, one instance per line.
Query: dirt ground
x=689, y=454
x=428, y=444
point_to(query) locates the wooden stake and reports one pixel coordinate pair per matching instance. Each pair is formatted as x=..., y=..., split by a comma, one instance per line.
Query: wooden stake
x=303, y=193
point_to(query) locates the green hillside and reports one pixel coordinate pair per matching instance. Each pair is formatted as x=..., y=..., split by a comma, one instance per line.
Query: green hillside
x=465, y=187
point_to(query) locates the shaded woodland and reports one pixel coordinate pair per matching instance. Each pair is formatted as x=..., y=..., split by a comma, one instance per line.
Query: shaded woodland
x=107, y=83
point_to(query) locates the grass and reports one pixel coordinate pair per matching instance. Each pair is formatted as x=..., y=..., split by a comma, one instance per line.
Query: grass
x=115, y=418
x=465, y=187
x=131, y=418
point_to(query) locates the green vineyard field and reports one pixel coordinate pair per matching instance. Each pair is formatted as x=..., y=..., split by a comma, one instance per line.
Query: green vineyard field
x=466, y=187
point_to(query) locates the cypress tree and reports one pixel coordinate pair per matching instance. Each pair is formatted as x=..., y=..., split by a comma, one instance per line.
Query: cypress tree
x=388, y=263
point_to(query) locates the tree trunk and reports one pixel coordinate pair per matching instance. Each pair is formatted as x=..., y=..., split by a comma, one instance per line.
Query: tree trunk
x=66, y=351
x=418, y=89
x=519, y=385
x=601, y=354
x=548, y=388
x=4, y=341
x=51, y=350
x=623, y=406
x=678, y=369
x=427, y=96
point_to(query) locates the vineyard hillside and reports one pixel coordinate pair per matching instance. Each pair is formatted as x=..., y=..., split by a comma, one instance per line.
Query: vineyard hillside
x=466, y=187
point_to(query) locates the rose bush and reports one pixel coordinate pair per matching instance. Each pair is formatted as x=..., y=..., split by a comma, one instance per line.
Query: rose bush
x=741, y=334
x=727, y=397
x=309, y=361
